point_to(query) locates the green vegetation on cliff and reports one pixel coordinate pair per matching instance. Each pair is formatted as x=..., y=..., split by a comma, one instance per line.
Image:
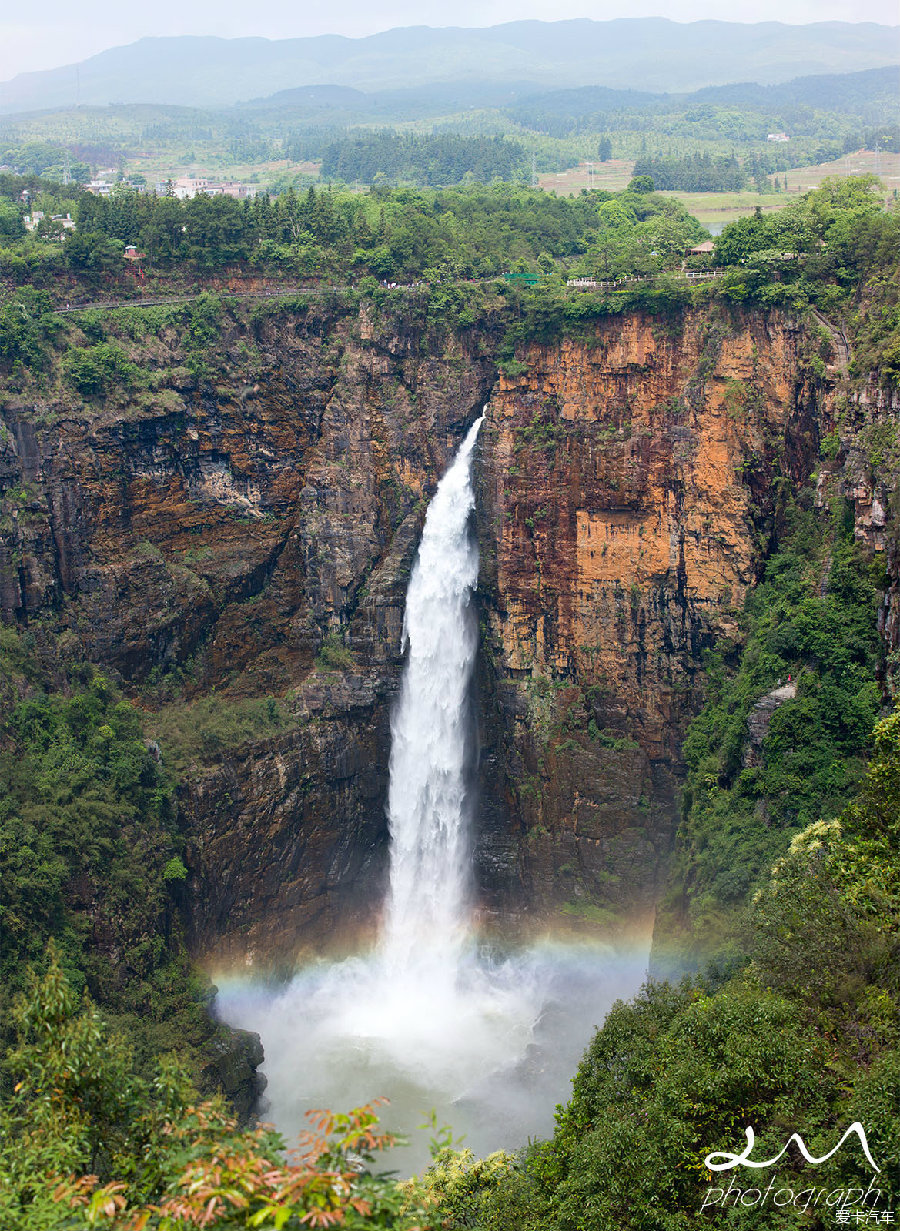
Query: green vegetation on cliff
x=759, y=770
x=833, y=249
x=90, y=855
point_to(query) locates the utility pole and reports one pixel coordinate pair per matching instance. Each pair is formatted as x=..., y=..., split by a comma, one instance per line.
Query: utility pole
x=534, y=178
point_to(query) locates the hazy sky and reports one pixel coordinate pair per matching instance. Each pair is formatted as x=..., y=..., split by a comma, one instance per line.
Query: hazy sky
x=53, y=32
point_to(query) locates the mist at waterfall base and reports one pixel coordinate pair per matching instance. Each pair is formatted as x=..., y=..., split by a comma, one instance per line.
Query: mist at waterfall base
x=492, y=1054
x=430, y=1019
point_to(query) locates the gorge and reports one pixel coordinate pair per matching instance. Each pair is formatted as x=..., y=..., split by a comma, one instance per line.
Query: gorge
x=234, y=551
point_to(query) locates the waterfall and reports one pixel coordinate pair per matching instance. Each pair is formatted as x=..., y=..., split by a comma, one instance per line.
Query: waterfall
x=427, y=1017
x=425, y=922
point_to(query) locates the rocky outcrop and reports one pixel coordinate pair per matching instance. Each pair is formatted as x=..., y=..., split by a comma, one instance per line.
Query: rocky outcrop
x=234, y=1058
x=288, y=835
x=760, y=717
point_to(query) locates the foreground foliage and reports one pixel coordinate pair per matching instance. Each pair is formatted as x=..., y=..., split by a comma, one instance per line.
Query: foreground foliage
x=86, y=1140
x=90, y=853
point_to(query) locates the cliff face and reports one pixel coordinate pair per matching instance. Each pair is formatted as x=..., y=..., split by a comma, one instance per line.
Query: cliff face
x=203, y=543
x=246, y=538
x=630, y=484
x=864, y=471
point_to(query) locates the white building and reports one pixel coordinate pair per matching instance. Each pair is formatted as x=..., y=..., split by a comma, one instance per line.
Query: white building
x=187, y=186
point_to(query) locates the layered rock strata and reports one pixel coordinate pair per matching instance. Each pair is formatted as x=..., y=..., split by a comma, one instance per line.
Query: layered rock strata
x=207, y=542
x=249, y=535
x=631, y=482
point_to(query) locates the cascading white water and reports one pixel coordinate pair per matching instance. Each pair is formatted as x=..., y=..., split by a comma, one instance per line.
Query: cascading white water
x=425, y=921
x=425, y=1018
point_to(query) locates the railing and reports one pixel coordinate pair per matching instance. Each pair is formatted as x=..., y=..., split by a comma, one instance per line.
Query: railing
x=692, y=275
x=148, y=302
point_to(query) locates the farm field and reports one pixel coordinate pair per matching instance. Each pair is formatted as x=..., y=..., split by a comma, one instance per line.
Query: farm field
x=612, y=176
x=862, y=162
x=715, y=209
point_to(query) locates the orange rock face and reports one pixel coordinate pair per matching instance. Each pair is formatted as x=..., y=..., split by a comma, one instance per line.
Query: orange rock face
x=629, y=482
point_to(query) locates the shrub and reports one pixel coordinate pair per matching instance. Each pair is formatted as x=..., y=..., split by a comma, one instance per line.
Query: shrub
x=25, y=325
x=334, y=655
x=93, y=370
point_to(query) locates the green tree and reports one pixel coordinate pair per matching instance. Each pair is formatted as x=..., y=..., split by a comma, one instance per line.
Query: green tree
x=25, y=328
x=94, y=369
x=91, y=254
x=11, y=224
x=85, y=1140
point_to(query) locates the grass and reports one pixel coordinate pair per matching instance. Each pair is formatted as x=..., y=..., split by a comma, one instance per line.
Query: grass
x=715, y=209
x=611, y=176
x=862, y=162
x=200, y=731
x=334, y=655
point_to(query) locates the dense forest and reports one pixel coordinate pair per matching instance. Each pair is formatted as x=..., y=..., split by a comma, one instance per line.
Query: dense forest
x=701, y=173
x=776, y=1000
x=405, y=235
x=429, y=160
x=400, y=236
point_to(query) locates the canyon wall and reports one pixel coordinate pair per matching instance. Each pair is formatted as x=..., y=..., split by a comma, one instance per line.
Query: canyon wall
x=245, y=537
x=632, y=482
x=249, y=535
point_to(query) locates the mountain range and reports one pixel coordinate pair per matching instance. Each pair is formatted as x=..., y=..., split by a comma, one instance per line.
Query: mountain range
x=660, y=54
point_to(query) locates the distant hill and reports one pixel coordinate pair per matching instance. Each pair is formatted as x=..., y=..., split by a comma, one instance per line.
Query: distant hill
x=872, y=91
x=828, y=91
x=413, y=102
x=872, y=95
x=660, y=55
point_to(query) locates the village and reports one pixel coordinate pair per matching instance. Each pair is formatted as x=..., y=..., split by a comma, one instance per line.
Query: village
x=183, y=187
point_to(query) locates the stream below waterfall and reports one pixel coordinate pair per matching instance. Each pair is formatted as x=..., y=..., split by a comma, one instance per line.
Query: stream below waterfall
x=428, y=1018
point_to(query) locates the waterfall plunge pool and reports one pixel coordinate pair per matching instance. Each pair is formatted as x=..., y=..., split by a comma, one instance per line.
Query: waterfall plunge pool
x=490, y=1049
